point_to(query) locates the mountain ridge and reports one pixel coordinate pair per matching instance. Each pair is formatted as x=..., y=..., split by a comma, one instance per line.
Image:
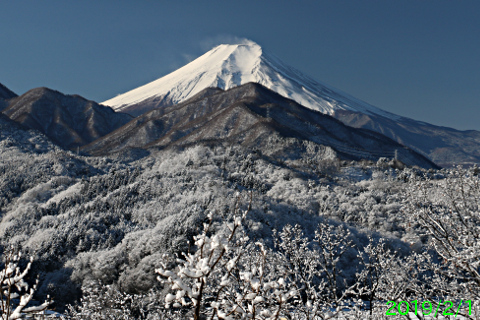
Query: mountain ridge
x=68, y=120
x=444, y=145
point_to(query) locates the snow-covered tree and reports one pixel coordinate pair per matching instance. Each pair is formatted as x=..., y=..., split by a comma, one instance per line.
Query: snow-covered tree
x=314, y=269
x=109, y=302
x=447, y=212
x=16, y=293
x=382, y=275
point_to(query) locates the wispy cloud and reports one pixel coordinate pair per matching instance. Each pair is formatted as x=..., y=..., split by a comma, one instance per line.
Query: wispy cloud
x=188, y=57
x=210, y=42
x=204, y=45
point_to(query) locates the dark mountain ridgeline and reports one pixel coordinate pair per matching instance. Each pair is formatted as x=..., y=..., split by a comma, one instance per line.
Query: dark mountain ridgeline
x=249, y=115
x=5, y=95
x=68, y=120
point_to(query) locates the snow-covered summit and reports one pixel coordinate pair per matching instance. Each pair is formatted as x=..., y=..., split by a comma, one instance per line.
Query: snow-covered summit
x=230, y=65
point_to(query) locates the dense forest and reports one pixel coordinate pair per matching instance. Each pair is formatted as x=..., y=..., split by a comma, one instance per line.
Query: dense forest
x=222, y=232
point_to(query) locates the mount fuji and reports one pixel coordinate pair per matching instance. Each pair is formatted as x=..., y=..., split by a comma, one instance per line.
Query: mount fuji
x=229, y=66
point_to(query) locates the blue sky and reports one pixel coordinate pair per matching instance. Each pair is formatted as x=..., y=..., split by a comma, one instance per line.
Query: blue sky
x=419, y=59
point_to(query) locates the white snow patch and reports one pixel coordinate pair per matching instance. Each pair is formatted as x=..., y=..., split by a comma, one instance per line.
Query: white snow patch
x=70, y=191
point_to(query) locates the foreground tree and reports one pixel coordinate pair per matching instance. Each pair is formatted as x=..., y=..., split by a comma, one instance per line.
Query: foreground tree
x=228, y=276
x=14, y=287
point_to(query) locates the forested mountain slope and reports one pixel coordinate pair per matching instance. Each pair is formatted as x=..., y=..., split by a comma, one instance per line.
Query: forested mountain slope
x=93, y=221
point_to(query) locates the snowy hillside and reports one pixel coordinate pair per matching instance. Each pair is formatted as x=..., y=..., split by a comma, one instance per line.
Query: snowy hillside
x=228, y=66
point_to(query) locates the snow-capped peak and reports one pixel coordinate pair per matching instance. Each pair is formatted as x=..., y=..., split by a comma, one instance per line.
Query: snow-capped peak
x=230, y=65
